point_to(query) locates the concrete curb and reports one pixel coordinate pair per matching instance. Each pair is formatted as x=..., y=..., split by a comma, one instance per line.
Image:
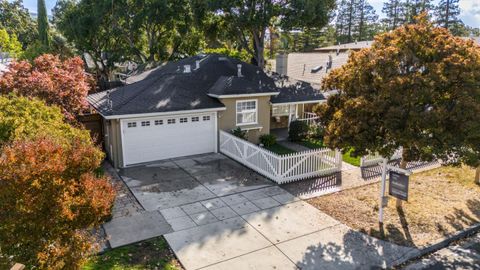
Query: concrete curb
x=437, y=246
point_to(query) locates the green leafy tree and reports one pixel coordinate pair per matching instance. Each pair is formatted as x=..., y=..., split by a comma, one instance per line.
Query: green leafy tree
x=42, y=23
x=15, y=18
x=249, y=20
x=417, y=88
x=9, y=43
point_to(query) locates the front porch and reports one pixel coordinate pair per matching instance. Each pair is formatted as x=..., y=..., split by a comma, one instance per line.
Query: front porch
x=283, y=115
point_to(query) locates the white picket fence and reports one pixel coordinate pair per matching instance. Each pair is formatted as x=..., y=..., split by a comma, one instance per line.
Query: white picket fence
x=370, y=160
x=281, y=168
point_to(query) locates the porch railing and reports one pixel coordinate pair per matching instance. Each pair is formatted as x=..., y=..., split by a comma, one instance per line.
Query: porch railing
x=309, y=118
x=281, y=168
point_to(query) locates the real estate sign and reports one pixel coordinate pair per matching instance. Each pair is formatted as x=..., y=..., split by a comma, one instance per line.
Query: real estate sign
x=398, y=185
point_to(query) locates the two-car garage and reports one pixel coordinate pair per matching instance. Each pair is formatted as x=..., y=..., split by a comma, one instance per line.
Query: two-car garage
x=162, y=137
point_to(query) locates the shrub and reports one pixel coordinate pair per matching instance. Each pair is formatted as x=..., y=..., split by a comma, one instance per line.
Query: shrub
x=268, y=140
x=298, y=131
x=238, y=132
x=316, y=131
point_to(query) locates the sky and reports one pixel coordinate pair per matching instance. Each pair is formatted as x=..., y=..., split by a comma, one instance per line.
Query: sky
x=470, y=9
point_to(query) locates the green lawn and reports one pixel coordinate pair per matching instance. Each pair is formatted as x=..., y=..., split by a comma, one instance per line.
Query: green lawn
x=279, y=149
x=317, y=143
x=355, y=161
x=151, y=254
x=312, y=143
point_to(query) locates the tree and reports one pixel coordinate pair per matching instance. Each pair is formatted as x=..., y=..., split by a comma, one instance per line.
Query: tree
x=447, y=15
x=42, y=23
x=414, y=8
x=417, y=88
x=15, y=18
x=394, y=11
x=355, y=20
x=61, y=83
x=50, y=197
x=24, y=118
x=365, y=20
x=9, y=43
x=250, y=19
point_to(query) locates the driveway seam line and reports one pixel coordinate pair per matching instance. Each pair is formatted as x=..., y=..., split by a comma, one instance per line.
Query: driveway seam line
x=238, y=256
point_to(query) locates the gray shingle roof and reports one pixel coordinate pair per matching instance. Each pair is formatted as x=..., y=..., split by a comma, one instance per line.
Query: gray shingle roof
x=167, y=88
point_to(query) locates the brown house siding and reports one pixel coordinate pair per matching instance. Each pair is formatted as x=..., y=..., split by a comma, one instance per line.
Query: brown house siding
x=228, y=118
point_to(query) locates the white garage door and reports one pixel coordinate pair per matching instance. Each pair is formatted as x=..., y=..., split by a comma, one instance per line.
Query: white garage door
x=159, y=138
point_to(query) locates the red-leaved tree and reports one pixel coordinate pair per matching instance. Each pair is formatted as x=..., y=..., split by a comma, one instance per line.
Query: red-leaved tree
x=61, y=83
x=50, y=200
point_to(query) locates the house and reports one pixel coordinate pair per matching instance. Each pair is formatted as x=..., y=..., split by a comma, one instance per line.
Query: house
x=313, y=66
x=177, y=109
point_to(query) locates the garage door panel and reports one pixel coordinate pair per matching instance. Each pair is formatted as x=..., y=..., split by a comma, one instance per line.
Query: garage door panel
x=156, y=142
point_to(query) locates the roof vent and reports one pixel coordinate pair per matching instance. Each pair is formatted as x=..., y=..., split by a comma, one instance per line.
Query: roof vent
x=197, y=64
x=187, y=69
x=239, y=70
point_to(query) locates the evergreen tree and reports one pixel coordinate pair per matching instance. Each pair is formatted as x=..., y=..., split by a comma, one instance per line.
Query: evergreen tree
x=394, y=11
x=345, y=21
x=447, y=13
x=366, y=17
x=413, y=8
x=42, y=22
x=355, y=21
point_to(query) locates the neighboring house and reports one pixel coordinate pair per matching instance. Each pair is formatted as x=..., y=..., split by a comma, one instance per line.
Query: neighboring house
x=313, y=66
x=177, y=109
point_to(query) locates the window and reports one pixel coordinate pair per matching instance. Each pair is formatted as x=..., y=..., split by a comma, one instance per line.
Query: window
x=158, y=122
x=132, y=124
x=280, y=110
x=183, y=120
x=171, y=121
x=246, y=112
x=195, y=119
x=206, y=118
x=145, y=123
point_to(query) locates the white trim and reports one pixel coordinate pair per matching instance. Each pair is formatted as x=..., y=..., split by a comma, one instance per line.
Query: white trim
x=245, y=95
x=252, y=128
x=120, y=122
x=300, y=102
x=146, y=115
x=236, y=112
x=215, y=131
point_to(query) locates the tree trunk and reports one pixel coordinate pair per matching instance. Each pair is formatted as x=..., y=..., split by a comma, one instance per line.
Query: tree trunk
x=477, y=175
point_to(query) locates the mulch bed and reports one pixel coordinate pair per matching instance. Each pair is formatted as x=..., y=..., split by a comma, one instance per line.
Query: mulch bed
x=441, y=202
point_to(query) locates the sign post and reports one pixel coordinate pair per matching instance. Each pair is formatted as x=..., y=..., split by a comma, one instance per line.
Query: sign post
x=382, y=191
x=398, y=186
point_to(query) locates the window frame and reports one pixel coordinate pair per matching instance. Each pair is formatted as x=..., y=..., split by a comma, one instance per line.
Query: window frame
x=288, y=107
x=195, y=119
x=183, y=120
x=131, y=124
x=206, y=118
x=171, y=121
x=247, y=111
x=158, y=122
x=145, y=123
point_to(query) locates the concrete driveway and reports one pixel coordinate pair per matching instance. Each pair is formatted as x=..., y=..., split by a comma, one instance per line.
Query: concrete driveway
x=217, y=214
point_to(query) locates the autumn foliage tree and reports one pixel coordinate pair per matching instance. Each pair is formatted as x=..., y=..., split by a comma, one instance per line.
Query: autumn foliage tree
x=50, y=196
x=418, y=88
x=63, y=83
